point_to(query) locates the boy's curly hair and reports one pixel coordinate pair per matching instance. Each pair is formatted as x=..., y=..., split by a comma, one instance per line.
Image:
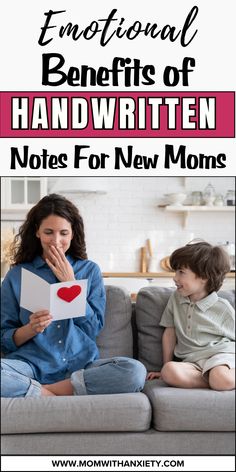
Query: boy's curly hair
x=206, y=261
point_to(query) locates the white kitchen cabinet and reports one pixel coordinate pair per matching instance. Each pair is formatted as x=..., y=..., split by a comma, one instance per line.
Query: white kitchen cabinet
x=23, y=192
x=19, y=194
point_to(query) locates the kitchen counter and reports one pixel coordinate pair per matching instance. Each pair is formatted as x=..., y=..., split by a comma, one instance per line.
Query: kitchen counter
x=152, y=275
x=134, y=281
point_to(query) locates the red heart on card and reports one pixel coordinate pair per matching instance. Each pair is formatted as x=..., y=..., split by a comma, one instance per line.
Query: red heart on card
x=69, y=293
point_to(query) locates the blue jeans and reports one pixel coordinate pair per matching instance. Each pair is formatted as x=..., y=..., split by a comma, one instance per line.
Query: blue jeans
x=113, y=375
x=17, y=379
x=104, y=376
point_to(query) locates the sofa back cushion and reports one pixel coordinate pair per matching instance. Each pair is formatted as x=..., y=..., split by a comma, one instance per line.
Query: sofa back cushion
x=150, y=304
x=116, y=338
x=229, y=295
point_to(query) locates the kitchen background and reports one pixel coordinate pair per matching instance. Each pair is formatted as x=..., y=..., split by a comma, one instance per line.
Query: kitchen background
x=123, y=215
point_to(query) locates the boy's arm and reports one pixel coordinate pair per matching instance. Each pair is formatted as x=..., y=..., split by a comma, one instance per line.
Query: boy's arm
x=168, y=344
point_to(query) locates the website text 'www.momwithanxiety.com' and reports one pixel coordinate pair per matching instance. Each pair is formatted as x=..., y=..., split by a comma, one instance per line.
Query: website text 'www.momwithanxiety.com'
x=117, y=463
x=126, y=464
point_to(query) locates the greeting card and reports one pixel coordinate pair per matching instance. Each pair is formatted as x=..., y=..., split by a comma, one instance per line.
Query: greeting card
x=62, y=299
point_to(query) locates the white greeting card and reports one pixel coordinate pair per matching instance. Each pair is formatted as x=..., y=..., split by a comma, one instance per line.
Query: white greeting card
x=62, y=299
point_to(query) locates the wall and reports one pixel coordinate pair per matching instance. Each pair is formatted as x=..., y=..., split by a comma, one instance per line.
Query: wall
x=118, y=223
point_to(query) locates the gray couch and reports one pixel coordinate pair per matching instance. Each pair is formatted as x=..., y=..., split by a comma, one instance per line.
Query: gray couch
x=161, y=420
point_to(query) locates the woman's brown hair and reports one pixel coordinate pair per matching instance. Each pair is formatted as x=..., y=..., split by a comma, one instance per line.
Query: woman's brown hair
x=206, y=261
x=27, y=246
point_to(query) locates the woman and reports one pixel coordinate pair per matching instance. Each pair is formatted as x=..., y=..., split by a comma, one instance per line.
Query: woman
x=46, y=357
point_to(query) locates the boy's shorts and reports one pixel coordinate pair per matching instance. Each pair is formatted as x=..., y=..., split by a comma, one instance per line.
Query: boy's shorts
x=224, y=358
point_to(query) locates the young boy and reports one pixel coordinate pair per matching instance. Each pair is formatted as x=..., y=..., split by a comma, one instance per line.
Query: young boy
x=199, y=325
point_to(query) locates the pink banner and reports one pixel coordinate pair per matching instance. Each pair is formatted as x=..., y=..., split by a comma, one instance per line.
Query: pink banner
x=121, y=114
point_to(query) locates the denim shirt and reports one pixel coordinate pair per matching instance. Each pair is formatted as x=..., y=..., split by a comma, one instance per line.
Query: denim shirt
x=65, y=345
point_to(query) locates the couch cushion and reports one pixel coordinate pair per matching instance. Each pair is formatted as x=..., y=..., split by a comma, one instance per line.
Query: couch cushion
x=116, y=338
x=229, y=295
x=150, y=304
x=177, y=409
x=89, y=413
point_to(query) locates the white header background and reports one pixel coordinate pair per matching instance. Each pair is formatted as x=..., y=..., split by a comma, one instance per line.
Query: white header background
x=213, y=49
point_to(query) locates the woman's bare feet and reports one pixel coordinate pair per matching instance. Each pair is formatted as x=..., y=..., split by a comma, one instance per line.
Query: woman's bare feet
x=64, y=387
x=46, y=393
